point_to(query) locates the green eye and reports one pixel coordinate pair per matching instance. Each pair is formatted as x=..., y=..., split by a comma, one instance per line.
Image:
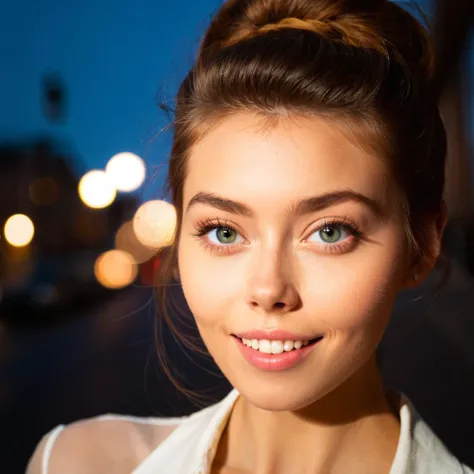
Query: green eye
x=330, y=234
x=225, y=235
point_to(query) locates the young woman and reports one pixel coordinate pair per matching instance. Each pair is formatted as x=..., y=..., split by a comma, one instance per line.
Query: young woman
x=307, y=172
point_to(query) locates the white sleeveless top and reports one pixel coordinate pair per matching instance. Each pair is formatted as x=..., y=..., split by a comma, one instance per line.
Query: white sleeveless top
x=190, y=443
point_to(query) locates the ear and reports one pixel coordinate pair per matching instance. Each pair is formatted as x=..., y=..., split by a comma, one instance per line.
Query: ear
x=423, y=265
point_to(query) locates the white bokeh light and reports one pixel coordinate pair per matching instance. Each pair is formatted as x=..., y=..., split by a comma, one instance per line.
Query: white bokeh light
x=96, y=190
x=19, y=230
x=154, y=223
x=127, y=171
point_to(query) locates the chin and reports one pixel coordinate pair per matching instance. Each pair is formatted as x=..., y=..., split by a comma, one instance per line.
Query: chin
x=279, y=395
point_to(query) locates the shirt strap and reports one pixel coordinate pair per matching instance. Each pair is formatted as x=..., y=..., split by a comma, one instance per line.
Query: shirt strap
x=48, y=448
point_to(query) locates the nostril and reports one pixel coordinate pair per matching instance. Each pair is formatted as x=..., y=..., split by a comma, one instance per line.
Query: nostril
x=279, y=305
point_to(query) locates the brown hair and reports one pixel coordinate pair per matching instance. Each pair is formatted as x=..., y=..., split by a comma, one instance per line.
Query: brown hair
x=364, y=63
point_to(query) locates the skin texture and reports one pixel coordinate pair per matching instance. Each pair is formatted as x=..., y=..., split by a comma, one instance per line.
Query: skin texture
x=279, y=273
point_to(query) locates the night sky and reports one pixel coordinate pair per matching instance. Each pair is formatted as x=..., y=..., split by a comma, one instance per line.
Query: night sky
x=114, y=57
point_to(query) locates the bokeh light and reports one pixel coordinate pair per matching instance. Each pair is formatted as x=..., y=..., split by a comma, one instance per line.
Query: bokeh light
x=154, y=224
x=115, y=269
x=19, y=230
x=96, y=189
x=127, y=171
x=125, y=239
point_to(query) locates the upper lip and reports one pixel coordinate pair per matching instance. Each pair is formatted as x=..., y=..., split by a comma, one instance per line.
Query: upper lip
x=275, y=335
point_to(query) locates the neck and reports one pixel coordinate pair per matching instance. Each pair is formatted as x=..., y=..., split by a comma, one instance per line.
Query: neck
x=330, y=435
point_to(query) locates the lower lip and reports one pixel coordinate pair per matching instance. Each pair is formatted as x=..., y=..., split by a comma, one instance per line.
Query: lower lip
x=274, y=362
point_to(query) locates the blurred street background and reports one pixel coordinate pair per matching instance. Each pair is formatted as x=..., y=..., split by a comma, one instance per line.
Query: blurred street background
x=84, y=95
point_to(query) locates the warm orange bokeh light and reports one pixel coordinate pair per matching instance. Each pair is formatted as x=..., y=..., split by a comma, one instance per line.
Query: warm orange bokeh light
x=115, y=269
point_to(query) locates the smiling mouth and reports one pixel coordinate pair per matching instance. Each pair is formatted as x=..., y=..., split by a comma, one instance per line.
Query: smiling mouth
x=267, y=346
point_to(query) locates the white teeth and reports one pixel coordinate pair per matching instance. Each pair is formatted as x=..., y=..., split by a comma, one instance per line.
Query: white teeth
x=277, y=347
x=265, y=346
x=273, y=347
x=288, y=346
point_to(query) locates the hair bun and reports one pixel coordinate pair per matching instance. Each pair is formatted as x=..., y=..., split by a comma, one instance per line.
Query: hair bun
x=352, y=31
x=379, y=25
x=345, y=20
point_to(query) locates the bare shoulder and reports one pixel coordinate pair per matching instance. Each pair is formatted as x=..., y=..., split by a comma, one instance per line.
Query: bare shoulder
x=110, y=443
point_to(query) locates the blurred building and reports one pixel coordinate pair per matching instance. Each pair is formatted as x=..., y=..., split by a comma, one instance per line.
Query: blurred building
x=38, y=180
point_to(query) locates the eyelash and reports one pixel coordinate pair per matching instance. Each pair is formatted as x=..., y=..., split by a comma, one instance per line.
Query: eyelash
x=203, y=227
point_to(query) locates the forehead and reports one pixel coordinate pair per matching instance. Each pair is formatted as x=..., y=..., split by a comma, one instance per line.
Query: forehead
x=292, y=158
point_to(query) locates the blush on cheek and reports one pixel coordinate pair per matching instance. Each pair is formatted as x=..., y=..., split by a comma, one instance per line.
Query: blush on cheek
x=210, y=283
x=348, y=299
x=210, y=296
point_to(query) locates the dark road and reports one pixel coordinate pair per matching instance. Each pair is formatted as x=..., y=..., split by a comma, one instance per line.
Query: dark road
x=105, y=361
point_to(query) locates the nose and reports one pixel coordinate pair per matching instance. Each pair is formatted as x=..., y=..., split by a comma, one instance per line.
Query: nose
x=271, y=288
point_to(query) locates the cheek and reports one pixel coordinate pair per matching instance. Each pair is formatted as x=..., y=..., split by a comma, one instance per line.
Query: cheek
x=353, y=292
x=210, y=284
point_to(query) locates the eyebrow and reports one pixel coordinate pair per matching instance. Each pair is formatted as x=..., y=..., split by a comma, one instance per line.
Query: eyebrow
x=300, y=208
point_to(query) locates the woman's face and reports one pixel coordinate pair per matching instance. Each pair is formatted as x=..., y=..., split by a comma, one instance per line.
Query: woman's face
x=300, y=233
